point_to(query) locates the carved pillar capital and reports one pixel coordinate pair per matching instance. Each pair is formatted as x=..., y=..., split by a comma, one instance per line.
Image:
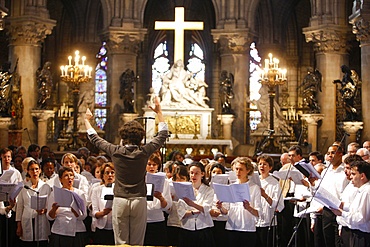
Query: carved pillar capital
x=42, y=115
x=328, y=39
x=29, y=31
x=360, y=26
x=312, y=119
x=237, y=41
x=124, y=41
x=352, y=127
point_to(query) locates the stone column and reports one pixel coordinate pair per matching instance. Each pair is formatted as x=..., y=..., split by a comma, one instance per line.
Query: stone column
x=312, y=120
x=42, y=118
x=351, y=128
x=226, y=121
x=123, y=47
x=360, y=20
x=330, y=44
x=234, y=52
x=5, y=122
x=28, y=28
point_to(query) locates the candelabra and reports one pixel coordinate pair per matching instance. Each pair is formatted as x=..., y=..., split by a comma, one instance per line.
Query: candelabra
x=74, y=75
x=272, y=76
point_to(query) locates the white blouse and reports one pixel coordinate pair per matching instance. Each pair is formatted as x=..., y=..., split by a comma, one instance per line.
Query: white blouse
x=201, y=220
x=66, y=223
x=241, y=219
x=25, y=214
x=273, y=190
x=98, y=204
x=155, y=211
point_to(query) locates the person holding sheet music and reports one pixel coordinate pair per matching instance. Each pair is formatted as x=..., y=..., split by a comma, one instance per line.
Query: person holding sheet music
x=219, y=220
x=334, y=181
x=14, y=178
x=68, y=228
x=358, y=217
x=80, y=182
x=347, y=198
x=130, y=159
x=243, y=216
x=195, y=215
x=271, y=201
x=156, y=231
x=32, y=224
x=102, y=215
x=179, y=174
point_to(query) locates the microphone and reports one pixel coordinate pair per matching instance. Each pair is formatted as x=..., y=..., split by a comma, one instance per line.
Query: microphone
x=29, y=188
x=109, y=185
x=145, y=118
x=345, y=133
x=270, y=131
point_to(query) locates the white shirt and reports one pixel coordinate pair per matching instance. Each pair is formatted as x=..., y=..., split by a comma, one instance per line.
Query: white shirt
x=173, y=217
x=301, y=192
x=15, y=178
x=241, y=219
x=201, y=220
x=272, y=189
x=334, y=181
x=25, y=214
x=98, y=204
x=348, y=196
x=66, y=223
x=358, y=216
x=155, y=211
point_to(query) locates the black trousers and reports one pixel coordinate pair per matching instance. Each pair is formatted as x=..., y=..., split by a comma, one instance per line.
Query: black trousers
x=330, y=229
x=360, y=239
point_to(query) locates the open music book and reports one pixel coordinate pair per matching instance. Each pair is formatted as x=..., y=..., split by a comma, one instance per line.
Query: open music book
x=232, y=192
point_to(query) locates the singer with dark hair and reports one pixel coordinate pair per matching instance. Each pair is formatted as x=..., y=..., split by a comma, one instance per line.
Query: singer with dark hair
x=32, y=225
x=129, y=210
x=101, y=214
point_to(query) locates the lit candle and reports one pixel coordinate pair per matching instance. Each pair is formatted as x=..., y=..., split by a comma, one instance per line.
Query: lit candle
x=77, y=57
x=83, y=60
x=266, y=63
x=270, y=56
x=70, y=60
x=62, y=69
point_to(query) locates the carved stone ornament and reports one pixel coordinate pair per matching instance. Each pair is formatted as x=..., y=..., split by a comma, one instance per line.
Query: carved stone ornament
x=124, y=42
x=326, y=41
x=361, y=28
x=29, y=32
x=232, y=42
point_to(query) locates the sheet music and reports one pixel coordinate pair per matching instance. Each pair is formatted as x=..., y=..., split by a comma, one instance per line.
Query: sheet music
x=16, y=190
x=62, y=197
x=294, y=174
x=109, y=204
x=307, y=211
x=184, y=189
x=7, y=174
x=220, y=178
x=255, y=178
x=157, y=179
x=310, y=169
x=232, y=192
x=232, y=176
x=95, y=180
x=78, y=204
x=326, y=198
x=42, y=202
x=106, y=191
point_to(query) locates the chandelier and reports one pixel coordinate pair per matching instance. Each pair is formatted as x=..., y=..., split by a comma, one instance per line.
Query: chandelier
x=272, y=75
x=77, y=73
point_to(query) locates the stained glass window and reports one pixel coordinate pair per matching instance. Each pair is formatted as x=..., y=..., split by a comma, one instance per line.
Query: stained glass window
x=160, y=66
x=254, y=86
x=100, y=111
x=196, y=62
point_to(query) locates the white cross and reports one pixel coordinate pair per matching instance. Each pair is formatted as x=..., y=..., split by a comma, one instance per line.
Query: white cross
x=179, y=25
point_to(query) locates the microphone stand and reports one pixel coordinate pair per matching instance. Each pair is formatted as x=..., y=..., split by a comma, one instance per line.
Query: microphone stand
x=37, y=215
x=273, y=220
x=313, y=196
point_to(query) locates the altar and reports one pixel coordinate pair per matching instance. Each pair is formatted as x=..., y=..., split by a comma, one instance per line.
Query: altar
x=190, y=131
